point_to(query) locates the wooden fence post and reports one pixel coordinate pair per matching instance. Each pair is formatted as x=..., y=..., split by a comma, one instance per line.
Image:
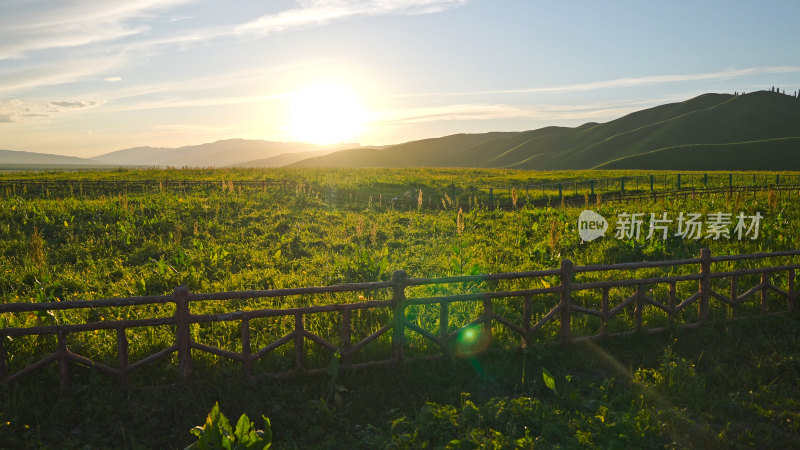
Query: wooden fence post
x=526, y=320
x=122, y=349
x=637, y=312
x=705, y=284
x=63, y=360
x=488, y=311
x=346, y=337
x=566, y=299
x=2, y=359
x=444, y=325
x=182, y=336
x=398, y=314
x=299, y=342
x=671, y=302
x=246, y=349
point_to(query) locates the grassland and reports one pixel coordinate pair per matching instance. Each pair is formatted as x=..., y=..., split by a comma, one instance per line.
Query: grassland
x=675, y=390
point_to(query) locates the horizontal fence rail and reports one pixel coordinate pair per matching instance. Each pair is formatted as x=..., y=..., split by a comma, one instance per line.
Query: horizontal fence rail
x=637, y=294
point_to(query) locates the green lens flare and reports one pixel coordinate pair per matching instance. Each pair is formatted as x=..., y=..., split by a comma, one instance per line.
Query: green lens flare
x=468, y=338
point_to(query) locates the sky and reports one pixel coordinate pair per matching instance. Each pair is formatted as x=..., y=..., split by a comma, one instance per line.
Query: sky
x=87, y=77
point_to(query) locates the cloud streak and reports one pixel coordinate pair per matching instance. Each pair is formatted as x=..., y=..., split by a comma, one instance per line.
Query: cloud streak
x=52, y=73
x=73, y=105
x=19, y=111
x=313, y=13
x=39, y=25
x=618, y=83
x=484, y=112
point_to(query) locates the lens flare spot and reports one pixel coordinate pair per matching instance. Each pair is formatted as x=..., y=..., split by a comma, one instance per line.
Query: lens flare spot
x=471, y=340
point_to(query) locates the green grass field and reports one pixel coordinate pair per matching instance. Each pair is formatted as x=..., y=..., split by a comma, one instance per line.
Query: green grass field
x=731, y=384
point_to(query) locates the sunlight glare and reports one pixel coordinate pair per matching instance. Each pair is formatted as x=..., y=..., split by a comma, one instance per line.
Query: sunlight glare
x=326, y=113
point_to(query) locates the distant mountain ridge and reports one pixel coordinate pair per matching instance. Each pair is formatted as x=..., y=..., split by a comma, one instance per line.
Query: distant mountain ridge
x=756, y=131
x=21, y=158
x=759, y=130
x=215, y=154
x=224, y=153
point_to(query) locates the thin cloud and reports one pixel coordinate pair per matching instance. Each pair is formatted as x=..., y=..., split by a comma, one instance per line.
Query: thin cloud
x=453, y=112
x=619, y=82
x=198, y=102
x=482, y=112
x=188, y=92
x=112, y=79
x=54, y=72
x=313, y=13
x=19, y=111
x=180, y=18
x=73, y=105
x=40, y=25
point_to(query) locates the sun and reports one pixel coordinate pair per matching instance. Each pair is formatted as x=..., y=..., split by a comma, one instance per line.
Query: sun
x=326, y=113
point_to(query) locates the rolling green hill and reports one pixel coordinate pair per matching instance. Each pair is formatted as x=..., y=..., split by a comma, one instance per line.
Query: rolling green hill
x=422, y=153
x=768, y=154
x=711, y=131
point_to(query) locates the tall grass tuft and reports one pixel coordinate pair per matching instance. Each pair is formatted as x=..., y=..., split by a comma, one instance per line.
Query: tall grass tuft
x=554, y=235
x=360, y=226
x=772, y=198
x=36, y=250
x=178, y=235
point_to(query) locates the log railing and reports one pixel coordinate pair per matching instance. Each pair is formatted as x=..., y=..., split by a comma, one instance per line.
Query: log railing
x=399, y=327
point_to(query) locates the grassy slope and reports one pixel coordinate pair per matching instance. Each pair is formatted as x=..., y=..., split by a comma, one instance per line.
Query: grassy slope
x=754, y=117
x=504, y=152
x=706, y=119
x=770, y=154
x=576, y=148
x=422, y=153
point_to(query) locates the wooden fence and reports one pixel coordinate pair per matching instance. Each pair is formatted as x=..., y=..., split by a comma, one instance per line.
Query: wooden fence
x=565, y=311
x=573, y=193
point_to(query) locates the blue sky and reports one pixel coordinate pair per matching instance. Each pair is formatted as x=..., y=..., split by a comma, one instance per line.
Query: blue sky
x=83, y=78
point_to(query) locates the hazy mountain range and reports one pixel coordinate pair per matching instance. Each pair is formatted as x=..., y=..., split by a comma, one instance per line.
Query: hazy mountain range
x=760, y=130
